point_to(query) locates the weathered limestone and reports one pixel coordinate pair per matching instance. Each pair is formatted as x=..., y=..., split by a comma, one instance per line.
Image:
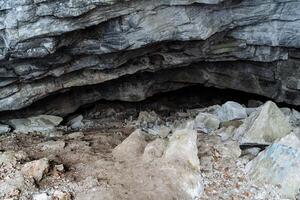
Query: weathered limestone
x=4, y=128
x=263, y=126
x=41, y=123
x=36, y=169
x=279, y=165
x=231, y=111
x=206, y=122
x=70, y=53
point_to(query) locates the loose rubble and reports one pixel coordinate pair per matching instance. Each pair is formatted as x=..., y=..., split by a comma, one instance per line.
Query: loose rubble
x=218, y=152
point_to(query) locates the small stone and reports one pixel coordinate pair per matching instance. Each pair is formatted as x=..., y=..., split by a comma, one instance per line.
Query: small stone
x=75, y=135
x=52, y=145
x=76, y=122
x=59, y=168
x=41, y=196
x=231, y=111
x=36, y=169
x=60, y=195
x=41, y=123
x=206, y=122
x=4, y=129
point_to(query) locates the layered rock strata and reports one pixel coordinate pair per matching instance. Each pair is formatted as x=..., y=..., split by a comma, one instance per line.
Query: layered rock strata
x=69, y=53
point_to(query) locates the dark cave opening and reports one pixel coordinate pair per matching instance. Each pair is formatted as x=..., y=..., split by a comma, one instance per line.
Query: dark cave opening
x=190, y=97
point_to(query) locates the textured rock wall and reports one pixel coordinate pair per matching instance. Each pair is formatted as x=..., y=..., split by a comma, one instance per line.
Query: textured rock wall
x=62, y=54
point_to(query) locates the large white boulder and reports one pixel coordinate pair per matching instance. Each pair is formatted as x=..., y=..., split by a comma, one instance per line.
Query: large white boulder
x=263, y=126
x=168, y=168
x=279, y=165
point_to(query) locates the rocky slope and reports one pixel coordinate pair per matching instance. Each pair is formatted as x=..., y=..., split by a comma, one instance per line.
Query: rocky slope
x=56, y=55
x=138, y=154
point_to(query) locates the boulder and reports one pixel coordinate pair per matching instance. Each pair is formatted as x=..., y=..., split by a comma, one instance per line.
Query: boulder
x=279, y=165
x=231, y=111
x=182, y=147
x=263, y=126
x=41, y=123
x=36, y=169
x=206, y=122
x=181, y=156
x=164, y=168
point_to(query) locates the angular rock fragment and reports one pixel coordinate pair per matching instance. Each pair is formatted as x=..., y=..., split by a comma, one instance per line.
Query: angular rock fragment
x=279, y=165
x=171, y=163
x=61, y=195
x=4, y=129
x=206, y=122
x=36, y=169
x=41, y=196
x=41, y=123
x=76, y=122
x=231, y=111
x=132, y=147
x=263, y=126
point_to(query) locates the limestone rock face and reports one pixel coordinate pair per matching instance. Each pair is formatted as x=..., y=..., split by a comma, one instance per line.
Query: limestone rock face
x=264, y=126
x=58, y=55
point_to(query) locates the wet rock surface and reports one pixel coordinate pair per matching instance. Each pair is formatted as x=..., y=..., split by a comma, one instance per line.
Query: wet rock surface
x=126, y=153
x=56, y=56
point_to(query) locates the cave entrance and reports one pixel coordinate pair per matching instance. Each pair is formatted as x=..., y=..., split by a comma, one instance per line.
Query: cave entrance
x=165, y=104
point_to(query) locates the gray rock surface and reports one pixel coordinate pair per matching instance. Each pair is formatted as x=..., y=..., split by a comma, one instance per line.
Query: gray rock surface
x=70, y=53
x=206, y=122
x=279, y=165
x=4, y=128
x=41, y=123
x=264, y=126
x=231, y=111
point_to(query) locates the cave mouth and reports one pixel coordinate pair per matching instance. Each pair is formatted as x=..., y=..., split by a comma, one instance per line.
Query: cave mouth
x=190, y=97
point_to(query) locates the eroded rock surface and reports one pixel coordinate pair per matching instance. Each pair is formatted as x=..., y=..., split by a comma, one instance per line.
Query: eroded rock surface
x=279, y=165
x=58, y=55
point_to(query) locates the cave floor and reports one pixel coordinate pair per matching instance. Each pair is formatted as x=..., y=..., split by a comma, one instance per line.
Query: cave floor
x=81, y=164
